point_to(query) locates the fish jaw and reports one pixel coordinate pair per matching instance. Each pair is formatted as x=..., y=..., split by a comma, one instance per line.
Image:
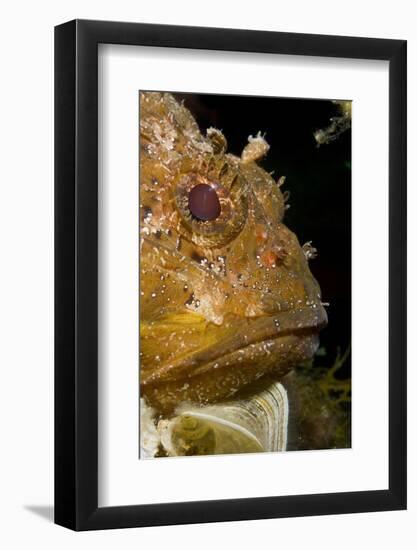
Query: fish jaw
x=224, y=361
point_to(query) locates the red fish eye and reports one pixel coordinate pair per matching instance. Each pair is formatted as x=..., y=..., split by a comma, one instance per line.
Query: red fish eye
x=203, y=202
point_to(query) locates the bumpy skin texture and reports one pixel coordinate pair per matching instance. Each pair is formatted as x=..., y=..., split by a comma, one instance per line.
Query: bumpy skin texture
x=222, y=302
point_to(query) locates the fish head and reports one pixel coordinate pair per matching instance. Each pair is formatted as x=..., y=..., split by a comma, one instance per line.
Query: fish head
x=226, y=293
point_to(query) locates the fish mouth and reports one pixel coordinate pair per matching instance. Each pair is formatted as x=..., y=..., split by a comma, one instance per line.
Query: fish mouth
x=264, y=343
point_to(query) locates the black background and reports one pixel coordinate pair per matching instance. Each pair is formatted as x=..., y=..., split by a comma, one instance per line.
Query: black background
x=319, y=181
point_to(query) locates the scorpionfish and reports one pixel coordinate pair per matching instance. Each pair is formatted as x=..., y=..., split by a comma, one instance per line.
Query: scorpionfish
x=226, y=293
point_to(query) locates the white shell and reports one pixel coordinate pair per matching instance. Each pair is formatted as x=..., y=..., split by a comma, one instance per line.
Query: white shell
x=256, y=423
x=149, y=436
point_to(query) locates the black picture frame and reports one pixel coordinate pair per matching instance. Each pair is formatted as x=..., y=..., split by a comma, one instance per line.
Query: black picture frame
x=76, y=271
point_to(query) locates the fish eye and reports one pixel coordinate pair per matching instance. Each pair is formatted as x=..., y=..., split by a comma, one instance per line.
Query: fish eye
x=212, y=209
x=203, y=202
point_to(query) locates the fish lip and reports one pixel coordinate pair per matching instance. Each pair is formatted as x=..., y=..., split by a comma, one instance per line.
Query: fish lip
x=263, y=329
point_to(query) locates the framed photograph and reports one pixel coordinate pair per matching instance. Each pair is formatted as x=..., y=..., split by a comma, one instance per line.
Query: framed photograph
x=230, y=284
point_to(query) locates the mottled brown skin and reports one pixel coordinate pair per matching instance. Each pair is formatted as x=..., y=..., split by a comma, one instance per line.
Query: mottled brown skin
x=226, y=301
